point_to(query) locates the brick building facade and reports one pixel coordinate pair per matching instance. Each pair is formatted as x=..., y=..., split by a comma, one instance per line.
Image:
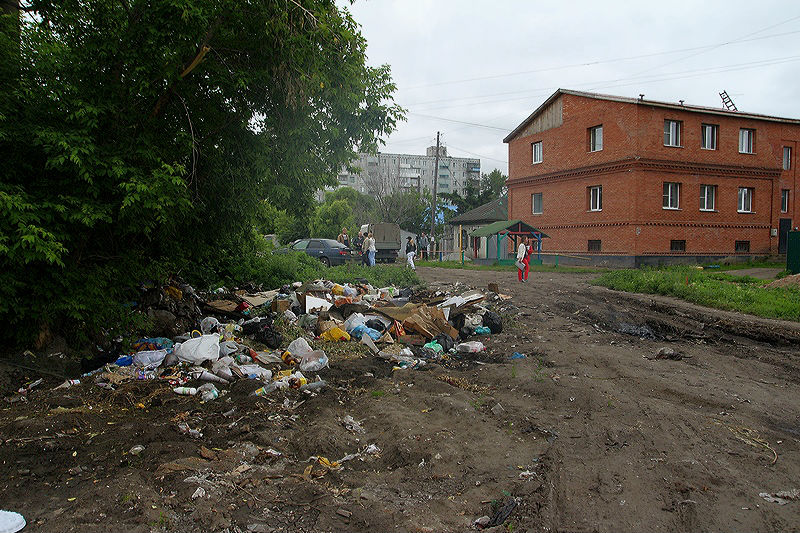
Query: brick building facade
x=635, y=181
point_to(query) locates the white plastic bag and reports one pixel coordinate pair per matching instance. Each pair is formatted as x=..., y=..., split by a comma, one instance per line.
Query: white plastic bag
x=199, y=349
x=353, y=321
x=149, y=359
x=228, y=347
x=256, y=372
x=470, y=347
x=313, y=361
x=299, y=347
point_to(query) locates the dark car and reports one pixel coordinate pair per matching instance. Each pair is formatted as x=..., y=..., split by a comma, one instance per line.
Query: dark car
x=329, y=251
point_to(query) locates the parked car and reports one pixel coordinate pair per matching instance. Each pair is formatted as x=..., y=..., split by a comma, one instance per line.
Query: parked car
x=329, y=251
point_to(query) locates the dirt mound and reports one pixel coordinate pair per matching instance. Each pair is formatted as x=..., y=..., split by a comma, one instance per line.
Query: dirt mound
x=788, y=281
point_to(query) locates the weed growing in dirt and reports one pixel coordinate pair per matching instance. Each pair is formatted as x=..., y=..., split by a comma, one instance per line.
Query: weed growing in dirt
x=478, y=402
x=712, y=289
x=538, y=372
x=513, y=370
x=378, y=393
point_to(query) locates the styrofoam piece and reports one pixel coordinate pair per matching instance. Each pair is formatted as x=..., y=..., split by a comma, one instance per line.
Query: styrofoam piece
x=11, y=522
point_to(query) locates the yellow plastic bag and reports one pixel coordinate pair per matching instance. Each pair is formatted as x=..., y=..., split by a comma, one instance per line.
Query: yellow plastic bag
x=337, y=290
x=335, y=335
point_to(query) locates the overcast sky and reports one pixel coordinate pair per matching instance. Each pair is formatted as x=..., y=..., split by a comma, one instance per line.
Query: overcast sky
x=492, y=63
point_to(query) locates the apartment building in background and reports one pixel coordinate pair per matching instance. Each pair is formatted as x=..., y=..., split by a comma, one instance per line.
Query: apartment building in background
x=386, y=173
x=633, y=181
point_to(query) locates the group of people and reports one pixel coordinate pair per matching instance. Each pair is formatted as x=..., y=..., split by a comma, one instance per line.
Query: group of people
x=364, y=243
x=524, y=251
x=367, y=246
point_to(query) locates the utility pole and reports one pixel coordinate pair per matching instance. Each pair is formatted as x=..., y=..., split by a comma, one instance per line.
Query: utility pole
x=435, y=180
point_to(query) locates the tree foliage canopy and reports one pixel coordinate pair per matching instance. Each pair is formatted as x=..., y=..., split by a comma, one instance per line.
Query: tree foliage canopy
x=138, y=133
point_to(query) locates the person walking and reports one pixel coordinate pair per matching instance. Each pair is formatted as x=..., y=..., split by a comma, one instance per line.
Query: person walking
x=344, y=238
x=423, y=246
x=522, y=252
x=358, y=243
x=369, y=249
x=411, y=251
x=527, y=260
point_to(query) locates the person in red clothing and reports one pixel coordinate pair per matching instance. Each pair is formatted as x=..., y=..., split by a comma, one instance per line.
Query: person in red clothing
x=527, y=259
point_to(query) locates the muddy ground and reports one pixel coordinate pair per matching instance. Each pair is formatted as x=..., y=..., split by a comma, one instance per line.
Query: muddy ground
x=589, y=433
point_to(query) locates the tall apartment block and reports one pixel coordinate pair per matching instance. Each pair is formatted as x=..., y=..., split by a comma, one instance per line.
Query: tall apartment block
x=387, y=173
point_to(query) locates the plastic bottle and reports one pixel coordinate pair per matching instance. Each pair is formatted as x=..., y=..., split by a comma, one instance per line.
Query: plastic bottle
x=69, y=383
x=208, y=392
x=185, y=391
x=243, y=359
x=315, y=385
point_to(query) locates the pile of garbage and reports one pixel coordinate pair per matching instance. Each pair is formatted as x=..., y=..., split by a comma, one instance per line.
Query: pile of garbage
x=242, y=336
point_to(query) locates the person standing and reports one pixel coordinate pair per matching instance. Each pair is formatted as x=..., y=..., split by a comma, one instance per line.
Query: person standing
x=522, y=252
x=527, y=260
x=423, y=246
x=411, y=250
x=369, y=249
x=344, y=238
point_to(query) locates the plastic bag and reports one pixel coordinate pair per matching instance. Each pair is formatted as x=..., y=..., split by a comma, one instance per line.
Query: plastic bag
x=446, y=341
x=197, y=350
x=482, y=330
x=350, y=291
x=353, y=321
x=209, y=325
x=359, y=331
x=376, y=324
x=299, y=347
x=493, y=321
x=335, y=334
x=228, y=347
x=149, y=359
x=435, y=346
x=256, y=372
x=313, y=361
x=470, y=347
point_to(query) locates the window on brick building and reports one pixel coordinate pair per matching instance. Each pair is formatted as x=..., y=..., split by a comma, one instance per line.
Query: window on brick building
x=747, y=141
x=742, y=246
x=536, y=148
x=536, y=203
x=787, y=157
x=746, y=199
x=596, y=138
x=672, y=193
x=709, y=133
x=784, y=200
x=595, y=245
x=672, y=132
x=596, y=198
x=708, y=197
x=677, y=246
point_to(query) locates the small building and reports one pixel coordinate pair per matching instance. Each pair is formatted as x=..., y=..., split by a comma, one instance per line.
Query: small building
x=632, y=181
x=477, y=248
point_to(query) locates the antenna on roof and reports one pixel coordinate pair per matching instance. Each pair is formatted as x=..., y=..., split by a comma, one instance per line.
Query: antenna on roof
x=727, y=102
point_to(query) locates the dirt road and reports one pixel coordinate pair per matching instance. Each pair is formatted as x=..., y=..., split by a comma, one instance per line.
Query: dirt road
x=590, y=432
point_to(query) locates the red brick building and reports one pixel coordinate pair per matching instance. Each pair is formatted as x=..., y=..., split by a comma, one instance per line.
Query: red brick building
x=638, y=181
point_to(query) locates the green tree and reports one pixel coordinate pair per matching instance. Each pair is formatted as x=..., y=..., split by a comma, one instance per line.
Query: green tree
x=144, y=134
x=330, y=218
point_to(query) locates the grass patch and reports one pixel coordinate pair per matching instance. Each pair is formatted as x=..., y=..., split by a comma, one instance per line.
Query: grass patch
x=508, y=268
x=712, y=289
x=378, y=393
x=377, y=276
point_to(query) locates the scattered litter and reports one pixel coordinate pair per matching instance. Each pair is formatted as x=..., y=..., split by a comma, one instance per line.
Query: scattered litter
x=517, y=355
x=199, y=493
x=11, y=522
x=136, y=450
x=781, y=497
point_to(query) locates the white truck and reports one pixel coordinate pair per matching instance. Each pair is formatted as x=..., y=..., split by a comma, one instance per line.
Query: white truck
x=388, y=240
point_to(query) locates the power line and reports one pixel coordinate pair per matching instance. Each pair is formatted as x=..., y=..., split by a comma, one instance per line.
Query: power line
x=614, y=60
x=462, y=122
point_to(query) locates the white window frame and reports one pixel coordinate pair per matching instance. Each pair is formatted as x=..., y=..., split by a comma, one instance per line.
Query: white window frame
x=705, y=197
x=747, y=141
x=672, y=133
x=745, y=200
x=784, y=200
x=596, y=198
x=536, y=150
x=596, y=138
x=787, y=158
x=533, y=203
x=709, y=135
x=671, y=195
